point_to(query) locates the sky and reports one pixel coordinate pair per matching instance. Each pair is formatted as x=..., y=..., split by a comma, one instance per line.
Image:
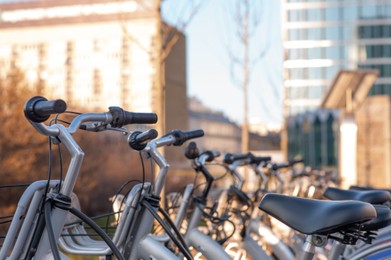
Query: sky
x=210, y=34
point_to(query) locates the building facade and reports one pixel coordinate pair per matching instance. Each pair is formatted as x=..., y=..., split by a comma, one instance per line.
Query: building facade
x=221, y=134
x=321, y=38
x=83, y=51
x=94, y=54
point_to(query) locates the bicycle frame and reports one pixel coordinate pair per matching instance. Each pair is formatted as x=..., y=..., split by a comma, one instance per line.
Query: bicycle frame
x=87, y=246
x=255, y=225
x=23, y=223
x=144, y=246
x=40, y=238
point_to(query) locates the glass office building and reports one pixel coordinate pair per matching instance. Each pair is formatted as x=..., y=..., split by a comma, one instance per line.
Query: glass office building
x=322, y=37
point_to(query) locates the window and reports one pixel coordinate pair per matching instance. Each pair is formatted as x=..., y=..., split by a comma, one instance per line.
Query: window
x=332, y=33
x=295, y=54
x=332, y=14
x=350, y=13
x=386, y=70
x=294, y=15
x=315, y=73
x=386, y=31
x=296, y=73
x=314, y=53
x=331, y=72
x=368, y=10
x=315, y=92
x=294, y=35
x=386, y=51
x=387, y=89
x=332, y=52
x=365, y=32
x=314, y=34
x=298, y=93
x=314, y=14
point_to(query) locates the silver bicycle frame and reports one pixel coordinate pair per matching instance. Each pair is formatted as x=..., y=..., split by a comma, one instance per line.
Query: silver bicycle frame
x=58, y=215
x=84, y=245
x=195, y=238
x=141, y=243
x=201, y=242
x=181, y=215
x=22, y=224
x=255, y=226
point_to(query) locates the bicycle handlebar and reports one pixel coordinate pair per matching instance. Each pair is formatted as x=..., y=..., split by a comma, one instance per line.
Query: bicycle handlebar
x=260, y=159
x=138, y=140
x=229, y=158
x=38, y=109
x=181, y=137
x=293, y=162
x=277, y=166
x=122, y=117
x=208, y=156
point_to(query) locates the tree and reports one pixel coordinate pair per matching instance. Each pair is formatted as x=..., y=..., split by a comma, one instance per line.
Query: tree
x=246, y=16
x=171, y=20
x=166, y=35
x=21, y=147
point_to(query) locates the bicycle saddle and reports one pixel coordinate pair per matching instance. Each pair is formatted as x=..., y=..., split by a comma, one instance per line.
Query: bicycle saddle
x=382, y=220
x=310, y=216
x=370, y=196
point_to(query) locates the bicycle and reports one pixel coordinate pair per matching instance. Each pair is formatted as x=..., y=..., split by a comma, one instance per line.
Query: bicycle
x=132, y=235
x=34, y=234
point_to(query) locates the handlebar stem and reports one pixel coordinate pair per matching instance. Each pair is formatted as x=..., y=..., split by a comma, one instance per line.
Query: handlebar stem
x=258, y=170
x=152, y=150
x=233, y=168
x=77, y=156
x=202, y=159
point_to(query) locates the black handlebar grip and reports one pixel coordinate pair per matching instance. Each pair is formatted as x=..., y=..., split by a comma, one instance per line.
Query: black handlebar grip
x=230, y=158
x=138, y=140
x=191, y=151
x=260, y=159
x=277, y=166
x=182, y=137
x=38, y=109
x=140, y=118
x=211, y=155
x=122, y=117
x=293, y=162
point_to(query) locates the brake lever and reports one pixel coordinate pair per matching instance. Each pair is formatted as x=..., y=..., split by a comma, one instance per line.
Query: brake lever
x=100, y=126
x=94, y=127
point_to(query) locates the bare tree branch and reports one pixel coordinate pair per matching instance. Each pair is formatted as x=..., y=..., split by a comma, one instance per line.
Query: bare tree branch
x=172, y=37
x=133, y=39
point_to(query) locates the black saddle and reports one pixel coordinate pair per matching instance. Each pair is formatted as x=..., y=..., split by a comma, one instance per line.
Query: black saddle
x=382, y=220
x=310, y=216
x=370, y=196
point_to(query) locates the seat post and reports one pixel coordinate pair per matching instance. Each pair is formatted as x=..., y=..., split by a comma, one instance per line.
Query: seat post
x=311, y=242
x=336, y=250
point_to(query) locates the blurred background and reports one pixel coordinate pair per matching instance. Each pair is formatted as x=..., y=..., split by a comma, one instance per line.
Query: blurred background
x=277, y=78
